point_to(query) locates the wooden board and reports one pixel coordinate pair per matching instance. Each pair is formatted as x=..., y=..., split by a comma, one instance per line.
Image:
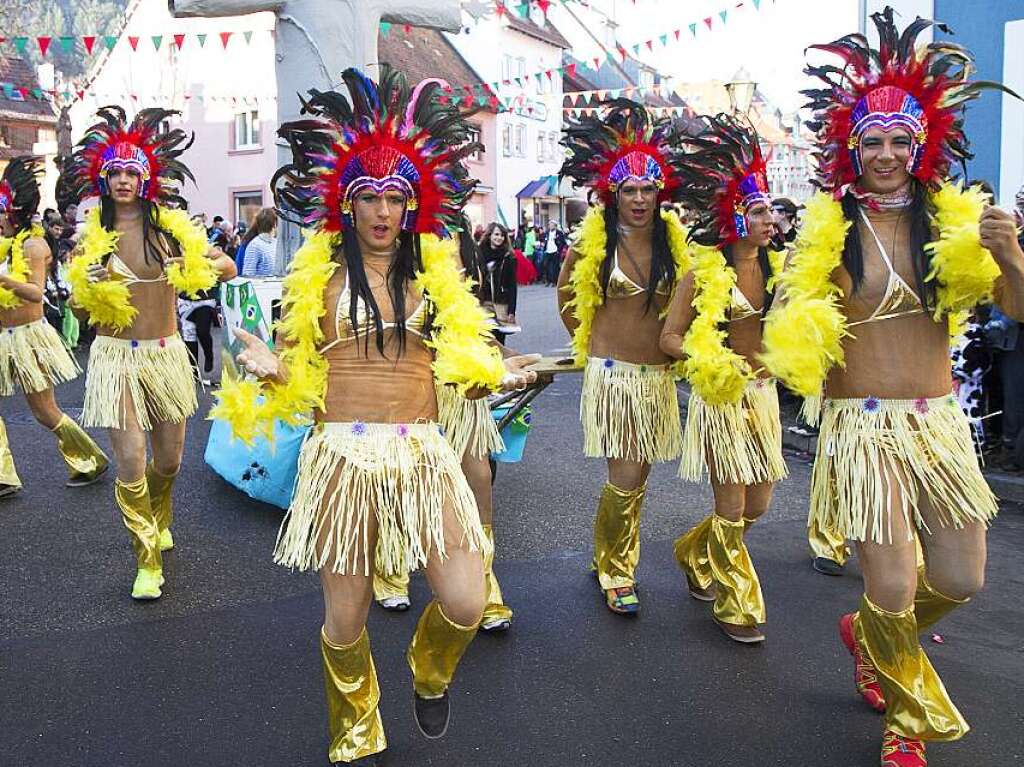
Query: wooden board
x=550, y=366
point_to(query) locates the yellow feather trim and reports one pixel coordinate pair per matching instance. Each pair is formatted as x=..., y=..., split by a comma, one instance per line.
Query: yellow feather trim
x=108, y=303
x=585, y=280
x=463, y=356
x=717, y=373
x=19, y=270
x=963, y=268
x=803, y=335
x=196, y=272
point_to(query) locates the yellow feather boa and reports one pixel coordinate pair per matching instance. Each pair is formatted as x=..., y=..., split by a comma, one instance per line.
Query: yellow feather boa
x=19, y=269
x=463, y=356
x=585, y=281
x=717, y=373
x=108, y=303
x=803, y=337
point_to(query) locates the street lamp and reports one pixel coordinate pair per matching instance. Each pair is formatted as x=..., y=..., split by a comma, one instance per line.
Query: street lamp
x=741, y=92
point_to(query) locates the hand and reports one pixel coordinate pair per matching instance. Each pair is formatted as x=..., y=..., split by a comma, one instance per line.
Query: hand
x=7, y=282
x=256, y=357
x=999, y=235
x=174, y=260
x=516, y=376
x=97, y=273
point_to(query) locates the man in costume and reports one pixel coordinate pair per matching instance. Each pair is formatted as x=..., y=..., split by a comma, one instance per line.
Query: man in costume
x=33, y=357
x=134, y=256
x=375, y=311
x=613, y=291
x=890, y=252
x=733, y=434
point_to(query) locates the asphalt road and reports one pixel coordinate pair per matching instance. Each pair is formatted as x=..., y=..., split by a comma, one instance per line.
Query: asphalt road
x=224, y=669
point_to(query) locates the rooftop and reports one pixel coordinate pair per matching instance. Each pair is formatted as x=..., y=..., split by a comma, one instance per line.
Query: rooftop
x=20, y=73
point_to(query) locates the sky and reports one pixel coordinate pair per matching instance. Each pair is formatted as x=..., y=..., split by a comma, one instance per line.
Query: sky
x=769, y=43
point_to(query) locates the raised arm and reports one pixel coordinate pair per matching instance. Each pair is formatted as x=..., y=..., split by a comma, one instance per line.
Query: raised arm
x=677, y=321
x=225, y=265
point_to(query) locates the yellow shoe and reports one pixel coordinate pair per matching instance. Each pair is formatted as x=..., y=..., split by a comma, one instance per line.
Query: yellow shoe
x=147, y=584
x=166, y=540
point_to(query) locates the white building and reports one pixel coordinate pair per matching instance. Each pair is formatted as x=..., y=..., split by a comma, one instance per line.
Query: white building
x=528, y=153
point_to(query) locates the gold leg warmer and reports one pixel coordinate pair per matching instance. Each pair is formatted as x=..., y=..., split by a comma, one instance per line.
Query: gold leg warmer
x=8, y=474
x=435, y=651
x=916, y=703
x=160, y=487
x=691, y=552
x=137, y=514
x=387, y=586
x=83, y=456
x=353, y=716
x=496, y=608
x=827, y=542
x=739, y=599
x=617, y=536
x=929, y=605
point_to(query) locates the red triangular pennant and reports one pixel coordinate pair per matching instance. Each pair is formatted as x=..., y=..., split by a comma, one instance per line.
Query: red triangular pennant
x=570, y=70
x=89, y=41
x=224, y=37
x=650, y=45
x=80, y=94
x=133, y=42
x=676, y=33
x=179, y=40
x=708, y=22
x=44, y=43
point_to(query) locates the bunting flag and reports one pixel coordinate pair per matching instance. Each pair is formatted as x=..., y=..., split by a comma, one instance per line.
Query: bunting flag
x=44, y=43
x=179, y=41
x=89, y=41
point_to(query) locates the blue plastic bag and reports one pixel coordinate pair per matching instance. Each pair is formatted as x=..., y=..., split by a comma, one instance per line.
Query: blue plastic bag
x=261, y=472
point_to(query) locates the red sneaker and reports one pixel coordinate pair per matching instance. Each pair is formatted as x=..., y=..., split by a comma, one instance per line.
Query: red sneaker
x=864, y=677
x=898, y=751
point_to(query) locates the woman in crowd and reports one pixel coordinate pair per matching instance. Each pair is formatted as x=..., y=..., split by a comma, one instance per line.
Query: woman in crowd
x=498, y=285
x=261, y=245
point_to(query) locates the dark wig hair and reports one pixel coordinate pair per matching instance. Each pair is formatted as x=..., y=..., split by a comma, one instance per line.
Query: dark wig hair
x=152, y=233
x=663, y=266
x=21, y=178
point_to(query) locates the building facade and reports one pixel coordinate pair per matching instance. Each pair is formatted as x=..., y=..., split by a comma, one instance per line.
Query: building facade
x=28, y=126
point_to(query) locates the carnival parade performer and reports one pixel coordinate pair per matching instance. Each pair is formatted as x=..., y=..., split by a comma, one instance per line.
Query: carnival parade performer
x=613, y=292
x=374, y=310
x=889, y=254
x=135, y=255
x=33, y=357
x=470, y=429
x=733, y=434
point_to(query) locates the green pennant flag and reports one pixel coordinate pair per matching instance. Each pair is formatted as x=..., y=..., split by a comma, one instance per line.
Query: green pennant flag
x=8, y=90
x=385, y=28
x=723, y=14
x=247, y=36
x=110, y=41
x=202, y=40
x=636, y=49
x=38, y=93
x=67, y=43
x=663, y=39
x=524, y=8
x=20, y=43
x=157, y=39
x=693, y=30
x=757, y=5
x=66, y=95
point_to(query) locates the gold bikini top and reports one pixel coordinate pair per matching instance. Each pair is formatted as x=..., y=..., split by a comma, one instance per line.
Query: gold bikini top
x=121, y=269
x=899, y=299
x=621, y=286
x=740, y=307
x=415, y=323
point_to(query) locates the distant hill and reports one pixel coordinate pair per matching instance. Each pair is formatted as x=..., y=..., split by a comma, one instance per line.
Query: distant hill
x=60, y=17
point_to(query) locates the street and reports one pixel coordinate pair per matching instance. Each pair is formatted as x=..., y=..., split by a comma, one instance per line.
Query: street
x=224, y=670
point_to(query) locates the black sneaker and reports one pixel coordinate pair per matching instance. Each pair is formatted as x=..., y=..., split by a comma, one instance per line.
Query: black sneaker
x=373, y=760
x=84, y=480
x=826, y=566
x=7, y=491
x=432, y=715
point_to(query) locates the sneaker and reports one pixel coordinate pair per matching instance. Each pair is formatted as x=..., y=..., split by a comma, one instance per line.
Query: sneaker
x=83, y=480
x=432, y=715
x=865, y=679
x=166, y=540
x=397, y=604
x=827, y=566
x=147, y=584
x=9, y=491
x=803, y=431
x=741, y=634
x=495, y=625
x=373, y=760
x=898, y=751
x=623, y=601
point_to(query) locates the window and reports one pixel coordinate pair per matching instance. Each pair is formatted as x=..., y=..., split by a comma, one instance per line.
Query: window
x=247, y=205
x=247, y=130
x=520, y=67
x=475, y=137
x=646, y=78
x=553, y=145
x=506, y=67
x=519, y=140
x=506, y=140
x=542, y=146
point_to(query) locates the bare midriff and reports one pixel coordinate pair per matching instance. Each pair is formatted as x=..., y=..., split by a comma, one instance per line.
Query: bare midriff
x=745, y=334
x=26, y=311
x=626, y=329
x=899, y=358
x=363, y=385
x=156, y=302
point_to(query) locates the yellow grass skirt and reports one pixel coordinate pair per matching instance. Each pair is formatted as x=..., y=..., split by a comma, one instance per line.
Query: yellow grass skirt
x=467, y=424
x=742, y=441
x=154, y=378
x=34, y=357
x=629, y=411
x=881, y=457
x=402, y=476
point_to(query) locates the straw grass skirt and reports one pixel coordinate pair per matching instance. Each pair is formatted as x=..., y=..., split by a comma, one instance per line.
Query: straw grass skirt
x=467, y=424
x=33, y=357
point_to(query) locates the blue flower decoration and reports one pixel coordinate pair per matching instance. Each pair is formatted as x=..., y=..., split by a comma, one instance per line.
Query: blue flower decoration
x=403, y=430
x=359, y=428
x=609, y=363
x=872, y=405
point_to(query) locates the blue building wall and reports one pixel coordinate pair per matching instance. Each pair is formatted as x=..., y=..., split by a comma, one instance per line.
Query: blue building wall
x=979, y=25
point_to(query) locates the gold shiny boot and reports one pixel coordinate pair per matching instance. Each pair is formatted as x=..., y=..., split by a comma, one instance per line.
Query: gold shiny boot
x=691, y=552
x=828, y=548
x=617, y=545
x=433, y=655
x=160, y=486
x=391, y=591
x=497, y=615
x=917, y=705
x=9, y=481
x=739, y=606
x=137, y=514
x=353, y=697
x=929, y=605
x=85, y=460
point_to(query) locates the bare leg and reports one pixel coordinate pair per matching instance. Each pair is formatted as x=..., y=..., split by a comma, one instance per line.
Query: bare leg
x=44, y=407
x=167, y=441
x=627, y=475
x=478, y=474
